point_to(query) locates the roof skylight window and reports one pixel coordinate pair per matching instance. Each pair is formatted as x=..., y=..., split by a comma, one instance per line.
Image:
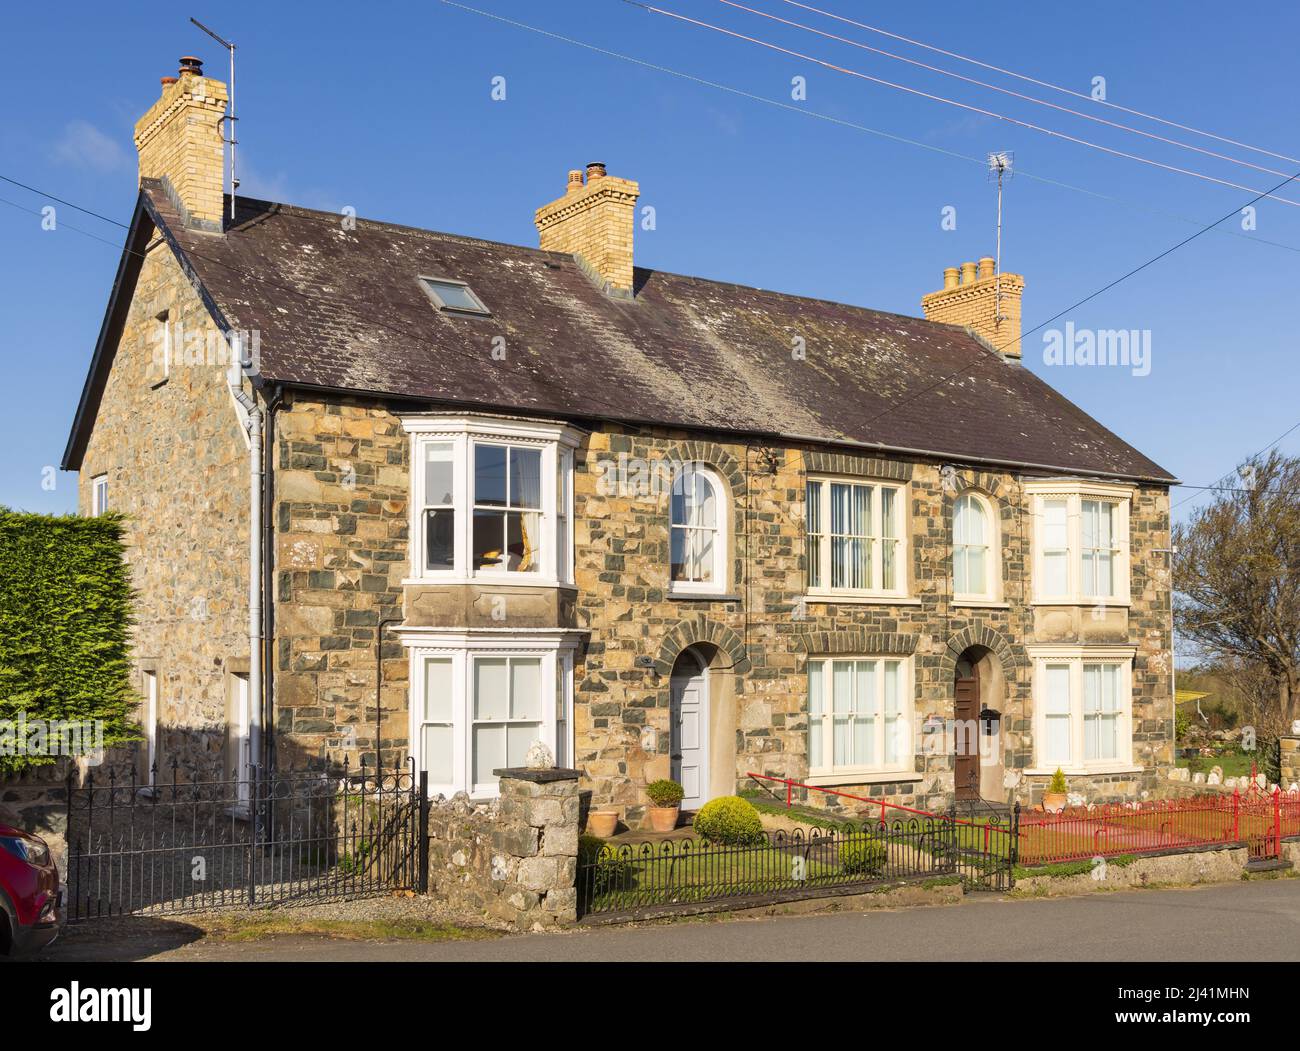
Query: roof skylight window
x=453, y=297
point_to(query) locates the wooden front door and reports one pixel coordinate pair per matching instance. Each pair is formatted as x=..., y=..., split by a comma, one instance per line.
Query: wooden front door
x=966, y=713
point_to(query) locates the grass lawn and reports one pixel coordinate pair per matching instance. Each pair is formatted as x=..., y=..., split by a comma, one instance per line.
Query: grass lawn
x=1235, y=764
x=682, y=871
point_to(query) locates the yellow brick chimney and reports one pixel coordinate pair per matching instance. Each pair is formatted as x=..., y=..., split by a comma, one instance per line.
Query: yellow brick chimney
x=179, y=140
x=981, y=300
x=594, y=221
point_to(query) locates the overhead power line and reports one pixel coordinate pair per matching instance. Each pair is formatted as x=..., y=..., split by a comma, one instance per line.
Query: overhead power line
x=848, y=71
x=1005, y=91
x=1046, y=84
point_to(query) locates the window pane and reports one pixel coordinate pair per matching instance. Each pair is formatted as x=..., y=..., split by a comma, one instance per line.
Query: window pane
x=525, y=688
x=520, y=738
x=815, y=681
x=888, y=512
x=489, y=753
x=489, y=540
x=1055, y=579
x=816, y=728
x=454, y=296
x=1058, y=689
x=490, y=688
x=440, y=539
x=1090, y=730
x=437, y=691
x=960, y=572
x=888, y=564
x=1055, y=527
x=523, y=531
x=813, y=509
x=525, y=477
x=977, y=560
x=438, y=474
x=1057, y=745
x=490, y=475
x=865, y=700
x=842, y=686
x=864, y=742
x=437, y=753
x=843, y=741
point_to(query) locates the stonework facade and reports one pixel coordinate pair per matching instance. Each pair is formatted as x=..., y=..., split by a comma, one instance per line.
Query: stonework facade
x=342, y=561
x=169, y=445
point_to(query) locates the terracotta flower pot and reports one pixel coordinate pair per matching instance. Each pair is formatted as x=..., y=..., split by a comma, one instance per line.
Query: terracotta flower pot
x=1054, y=802
x=663, y=818
x=602, y=823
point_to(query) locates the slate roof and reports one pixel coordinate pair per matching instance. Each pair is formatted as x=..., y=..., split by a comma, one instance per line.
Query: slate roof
x=343, y=310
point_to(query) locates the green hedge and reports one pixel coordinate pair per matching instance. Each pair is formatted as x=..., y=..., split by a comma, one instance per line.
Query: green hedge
x=65, y=614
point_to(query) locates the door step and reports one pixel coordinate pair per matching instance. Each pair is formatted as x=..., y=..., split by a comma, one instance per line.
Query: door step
x=1268, y=865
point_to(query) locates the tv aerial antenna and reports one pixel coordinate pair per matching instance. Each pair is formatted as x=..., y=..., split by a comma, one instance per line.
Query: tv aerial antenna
x=229, y=117
x=1000, y=167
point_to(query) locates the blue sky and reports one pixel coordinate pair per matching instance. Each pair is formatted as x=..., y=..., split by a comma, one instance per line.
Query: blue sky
x=389, y=109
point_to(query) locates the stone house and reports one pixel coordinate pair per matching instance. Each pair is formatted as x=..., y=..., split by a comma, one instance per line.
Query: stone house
x=394, y=492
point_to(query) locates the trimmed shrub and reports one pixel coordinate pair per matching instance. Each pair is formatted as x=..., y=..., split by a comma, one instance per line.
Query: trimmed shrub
x=65, y=614
x=730, y=820
x=665, y=793
x=863, y=856
x=1058, y=783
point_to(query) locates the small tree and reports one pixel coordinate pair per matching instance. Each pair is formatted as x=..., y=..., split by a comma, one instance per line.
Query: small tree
x=65, y=614
x=1237, y=581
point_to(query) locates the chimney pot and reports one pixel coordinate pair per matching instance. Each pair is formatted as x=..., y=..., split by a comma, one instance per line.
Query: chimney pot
x=190, y=64
x=168, y=81
x=991, y=310
x=575, y=180
x=950, y=277
x=967, y=273
x=595, y=170
x=986, y=266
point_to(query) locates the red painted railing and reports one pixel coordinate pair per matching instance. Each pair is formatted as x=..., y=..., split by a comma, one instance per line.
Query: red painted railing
x=1259, y=819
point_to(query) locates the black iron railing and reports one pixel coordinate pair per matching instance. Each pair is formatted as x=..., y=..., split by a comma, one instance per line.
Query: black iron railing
x=641, y=879
x=270, y=838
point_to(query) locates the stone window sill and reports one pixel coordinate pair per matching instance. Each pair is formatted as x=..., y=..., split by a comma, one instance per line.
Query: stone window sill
x=872, y=778
x=860, y=600
x=702, y=596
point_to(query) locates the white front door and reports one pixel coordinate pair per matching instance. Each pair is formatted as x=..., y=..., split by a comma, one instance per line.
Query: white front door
x=690, y=732
x=150, y=728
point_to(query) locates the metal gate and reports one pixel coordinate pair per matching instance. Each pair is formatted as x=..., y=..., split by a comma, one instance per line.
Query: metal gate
x=271, y=838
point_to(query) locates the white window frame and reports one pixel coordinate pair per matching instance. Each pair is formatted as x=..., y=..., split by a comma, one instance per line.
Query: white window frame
x=992, y=554
x=554, y=648
x=1074, y=493
x=904, y=767
x=1075, y=658
x=901, y=539
x=555, y=441
x=98, y=495
x=720, y=584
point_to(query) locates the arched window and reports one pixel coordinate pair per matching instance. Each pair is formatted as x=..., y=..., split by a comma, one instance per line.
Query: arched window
x=973, y=536
x=699, y=539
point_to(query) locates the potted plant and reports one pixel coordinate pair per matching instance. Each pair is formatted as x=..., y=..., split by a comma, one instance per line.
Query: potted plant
x=1057, y=794
x=665, y=804
x=602, y=823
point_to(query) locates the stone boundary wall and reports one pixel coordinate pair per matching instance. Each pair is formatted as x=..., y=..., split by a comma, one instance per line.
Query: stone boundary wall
x=1290, y=748
x=513, y=861
x=1189, y=868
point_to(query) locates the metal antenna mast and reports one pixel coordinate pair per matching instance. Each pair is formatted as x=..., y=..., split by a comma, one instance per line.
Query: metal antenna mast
x=999, y=165
x=230, y=112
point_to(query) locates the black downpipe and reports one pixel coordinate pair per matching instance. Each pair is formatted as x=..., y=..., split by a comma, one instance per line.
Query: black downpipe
x=269, y=647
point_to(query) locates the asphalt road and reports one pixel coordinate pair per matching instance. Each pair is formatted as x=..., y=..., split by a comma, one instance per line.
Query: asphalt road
x=1257, y=920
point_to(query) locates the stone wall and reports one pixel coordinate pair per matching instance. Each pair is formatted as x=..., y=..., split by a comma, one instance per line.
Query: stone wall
x=176, y=457
x=341, y=482
x=1290, y=749
x=342, y=555
x=512, y=861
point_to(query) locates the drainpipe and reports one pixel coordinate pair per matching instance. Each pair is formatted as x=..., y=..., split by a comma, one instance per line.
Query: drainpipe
x=254, y=427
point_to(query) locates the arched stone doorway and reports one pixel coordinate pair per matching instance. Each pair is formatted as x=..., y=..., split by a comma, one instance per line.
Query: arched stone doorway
x=688, y=724
x=978, y=706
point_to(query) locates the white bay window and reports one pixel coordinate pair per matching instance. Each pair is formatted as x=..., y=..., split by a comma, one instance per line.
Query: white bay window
x=480, y=700
x=1083, y=708
x=1081, y=543
x=491, y=499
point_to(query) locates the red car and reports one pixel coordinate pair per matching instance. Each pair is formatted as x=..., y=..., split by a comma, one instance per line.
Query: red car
x=29, y=892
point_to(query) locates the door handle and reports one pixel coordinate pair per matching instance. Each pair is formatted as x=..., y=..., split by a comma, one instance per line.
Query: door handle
x=677, y=756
